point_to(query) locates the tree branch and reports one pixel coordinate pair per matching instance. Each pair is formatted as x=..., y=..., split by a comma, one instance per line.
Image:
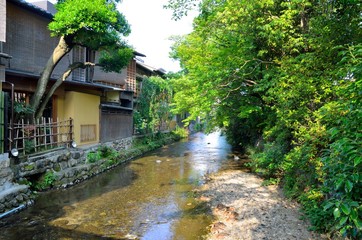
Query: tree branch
x=59, y=81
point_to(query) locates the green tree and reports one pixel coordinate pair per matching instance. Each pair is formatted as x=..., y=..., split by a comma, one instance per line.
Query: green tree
x=153, y=106
x=284, y=77
x=94, y=24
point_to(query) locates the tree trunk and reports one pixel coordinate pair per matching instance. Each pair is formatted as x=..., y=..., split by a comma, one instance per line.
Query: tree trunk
x=64, y=46
x=59, y=81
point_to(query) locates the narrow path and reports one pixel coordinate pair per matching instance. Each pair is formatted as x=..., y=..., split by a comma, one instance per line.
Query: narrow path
x=244, y=209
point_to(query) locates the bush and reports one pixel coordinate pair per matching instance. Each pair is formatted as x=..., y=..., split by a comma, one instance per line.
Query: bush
x=93, y=157
x=46, y=181
x=180, y=132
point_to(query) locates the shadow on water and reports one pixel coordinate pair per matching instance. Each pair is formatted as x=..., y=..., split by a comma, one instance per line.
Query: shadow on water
x=56, y=203
x=149, y=198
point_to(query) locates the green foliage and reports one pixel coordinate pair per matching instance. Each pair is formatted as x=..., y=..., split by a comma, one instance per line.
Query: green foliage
x=29, y=146
x=181, y=132
x=280, y=81
x=88, y=20
x=97, y=25
x=181, y=7
x=153, y=108
x=93, y=24
x=93, y=157
x=114, y=59
x=21, y=110
x=104, y=152
x=46, y=181
x=342, y=158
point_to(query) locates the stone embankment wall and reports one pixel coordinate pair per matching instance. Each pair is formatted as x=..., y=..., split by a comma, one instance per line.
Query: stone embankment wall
x=68, y=166
x=12, y=195
x=65, y=167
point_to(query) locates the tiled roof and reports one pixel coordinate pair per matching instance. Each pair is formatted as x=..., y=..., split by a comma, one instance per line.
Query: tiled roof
x=31, y=7
x=151, y=69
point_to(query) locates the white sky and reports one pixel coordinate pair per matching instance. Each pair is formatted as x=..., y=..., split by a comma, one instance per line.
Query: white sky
x=151, y=27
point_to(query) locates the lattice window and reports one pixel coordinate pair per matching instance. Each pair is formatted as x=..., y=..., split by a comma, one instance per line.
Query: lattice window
x=90, y=57
x=88, y=132
x=78, y=56
x=131, y=76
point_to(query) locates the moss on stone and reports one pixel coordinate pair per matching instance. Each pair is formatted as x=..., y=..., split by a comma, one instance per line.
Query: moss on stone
x=29, y=167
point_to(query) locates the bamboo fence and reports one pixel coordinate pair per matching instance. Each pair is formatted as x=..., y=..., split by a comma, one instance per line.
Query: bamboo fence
x=41, y=135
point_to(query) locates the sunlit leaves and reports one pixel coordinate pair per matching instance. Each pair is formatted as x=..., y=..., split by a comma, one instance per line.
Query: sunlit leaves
x=153, y=106
x=98, y=16
x=114, y=59
x=286, y=74
x=93, y=24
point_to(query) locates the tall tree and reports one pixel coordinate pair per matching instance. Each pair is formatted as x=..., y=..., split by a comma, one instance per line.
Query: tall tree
x=153, y=108
x=285, y=76
x=94, y=24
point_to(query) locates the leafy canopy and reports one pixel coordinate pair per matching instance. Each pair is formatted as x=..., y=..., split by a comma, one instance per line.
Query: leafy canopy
x=283, y=79
x=95, y=24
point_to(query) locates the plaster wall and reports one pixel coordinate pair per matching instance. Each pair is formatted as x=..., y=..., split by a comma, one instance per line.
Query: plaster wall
x=84, y=109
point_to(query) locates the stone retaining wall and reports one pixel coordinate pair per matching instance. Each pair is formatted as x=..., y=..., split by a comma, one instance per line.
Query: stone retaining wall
x=69, y=166
x=12, y=195
x=65, y=166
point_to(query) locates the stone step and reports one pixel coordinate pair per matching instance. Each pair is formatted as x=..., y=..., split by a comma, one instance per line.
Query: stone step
x=4, y=163
x=12, y=190
x=14, y=196
x=6, y=175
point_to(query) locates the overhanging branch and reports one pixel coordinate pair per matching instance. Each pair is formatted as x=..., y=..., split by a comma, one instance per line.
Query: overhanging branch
x=60, y=80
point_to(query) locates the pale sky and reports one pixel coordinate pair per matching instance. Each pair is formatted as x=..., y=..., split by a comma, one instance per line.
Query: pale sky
x=151, y=27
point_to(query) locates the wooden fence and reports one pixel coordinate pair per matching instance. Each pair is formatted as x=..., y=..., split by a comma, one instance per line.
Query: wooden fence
x=41, y=135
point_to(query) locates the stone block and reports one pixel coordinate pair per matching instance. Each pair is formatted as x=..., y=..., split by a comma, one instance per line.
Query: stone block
x=29, y=167
x=4, y=156
x=5, y=163
x=57, y=167
x=76, y=155
x=20, y=198
x=63, y=165
x=14, y=203
x=64, y=157
x=2, y=208
x=72, y=163
x=40, y=164
x=6, y=174
x=25, y=196
x=8, y=205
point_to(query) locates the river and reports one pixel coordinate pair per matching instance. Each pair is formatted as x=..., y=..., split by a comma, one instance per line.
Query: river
x=150, y=197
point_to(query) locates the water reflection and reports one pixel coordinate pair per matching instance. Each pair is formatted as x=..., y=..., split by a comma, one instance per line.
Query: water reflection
x=148, y=198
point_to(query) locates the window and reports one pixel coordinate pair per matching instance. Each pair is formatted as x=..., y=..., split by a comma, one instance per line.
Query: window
x=90, y=57
x=78, y=56
x=88, y=133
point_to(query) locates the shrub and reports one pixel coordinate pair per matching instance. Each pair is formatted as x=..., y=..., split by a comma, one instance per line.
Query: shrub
x=93, y=157
x=46, y=181
x=180, y=132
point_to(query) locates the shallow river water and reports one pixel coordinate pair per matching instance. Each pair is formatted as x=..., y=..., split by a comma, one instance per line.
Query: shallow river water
x=150, y=197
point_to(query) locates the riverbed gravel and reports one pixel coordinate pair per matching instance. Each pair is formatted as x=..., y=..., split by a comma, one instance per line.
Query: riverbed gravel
x=245, y=209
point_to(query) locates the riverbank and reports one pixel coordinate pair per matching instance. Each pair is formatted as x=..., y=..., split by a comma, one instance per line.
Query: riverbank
x=63, y=168
x=244, y=209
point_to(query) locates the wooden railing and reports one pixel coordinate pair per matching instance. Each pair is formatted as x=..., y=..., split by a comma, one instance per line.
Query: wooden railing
x=42, y=134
